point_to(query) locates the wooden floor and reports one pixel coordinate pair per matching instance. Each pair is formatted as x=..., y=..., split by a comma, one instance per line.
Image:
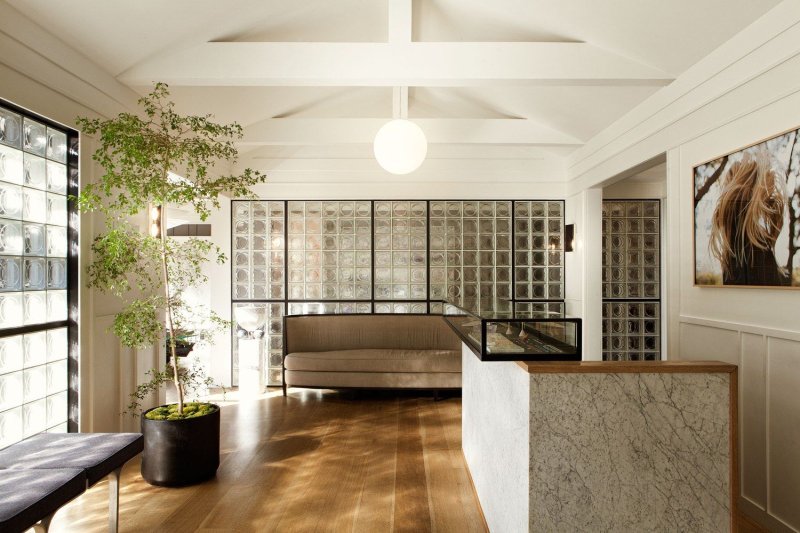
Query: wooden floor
x=316, y=461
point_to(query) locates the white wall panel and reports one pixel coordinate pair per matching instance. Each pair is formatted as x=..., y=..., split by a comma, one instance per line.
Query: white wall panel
x=753, y=422
x=783, y=423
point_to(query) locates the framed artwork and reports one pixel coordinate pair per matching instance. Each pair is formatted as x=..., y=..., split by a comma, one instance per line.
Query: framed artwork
x=747, y=216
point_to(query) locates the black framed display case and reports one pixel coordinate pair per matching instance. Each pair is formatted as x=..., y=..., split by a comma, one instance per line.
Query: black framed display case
x=503, y=330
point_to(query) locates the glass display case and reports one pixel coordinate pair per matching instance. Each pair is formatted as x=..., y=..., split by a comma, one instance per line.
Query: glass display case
x=502, y=330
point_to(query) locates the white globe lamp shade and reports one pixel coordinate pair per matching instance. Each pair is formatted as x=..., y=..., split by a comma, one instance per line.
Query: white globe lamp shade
x=400, y=146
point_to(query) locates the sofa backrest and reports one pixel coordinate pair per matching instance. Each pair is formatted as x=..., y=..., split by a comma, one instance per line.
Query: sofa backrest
x=321, y=333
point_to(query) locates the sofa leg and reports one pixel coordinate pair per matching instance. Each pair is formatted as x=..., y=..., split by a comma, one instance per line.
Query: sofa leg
x=436, y=395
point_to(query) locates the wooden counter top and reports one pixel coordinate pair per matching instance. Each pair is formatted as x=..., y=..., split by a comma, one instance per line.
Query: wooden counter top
x=619, y=367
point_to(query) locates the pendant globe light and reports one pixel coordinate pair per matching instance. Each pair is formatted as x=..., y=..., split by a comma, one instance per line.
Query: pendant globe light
x=400, y=145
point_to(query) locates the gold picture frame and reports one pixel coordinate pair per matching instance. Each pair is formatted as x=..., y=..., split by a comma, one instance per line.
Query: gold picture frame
x=746, y=216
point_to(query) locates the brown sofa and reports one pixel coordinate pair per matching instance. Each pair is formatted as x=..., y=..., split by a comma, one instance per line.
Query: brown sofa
x=370, y=352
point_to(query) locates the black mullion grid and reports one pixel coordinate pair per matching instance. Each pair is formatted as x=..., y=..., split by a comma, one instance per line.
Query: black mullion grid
x=73, y=265
x=372, y=301
x=372, y=252
x=513, y=251
x=73, y=283
x=428, y=255
x=645, y=300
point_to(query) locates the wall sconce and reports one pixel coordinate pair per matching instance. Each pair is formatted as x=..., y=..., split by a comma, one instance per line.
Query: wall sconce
x=155, y=221
x=569, y=237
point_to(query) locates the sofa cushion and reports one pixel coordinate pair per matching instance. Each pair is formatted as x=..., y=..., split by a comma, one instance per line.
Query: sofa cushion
x=376, y=360
x=98, y=454
x=317, y=333
x=374, y=380
x=27, y=496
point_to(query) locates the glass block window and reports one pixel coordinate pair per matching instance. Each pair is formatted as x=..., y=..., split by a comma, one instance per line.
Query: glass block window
x=327, y=308
x=390, y=256
x=631, y=280
x=470, y=250
x=330, y=250
x=260, y=321
x=401, y=307
x=258, y=250
x=538, y=249
x=36, y=159
x=401, y=239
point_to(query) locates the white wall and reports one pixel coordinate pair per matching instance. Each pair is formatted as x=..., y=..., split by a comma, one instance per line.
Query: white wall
x=745, y=91
x=38, y=72
x=583, y=268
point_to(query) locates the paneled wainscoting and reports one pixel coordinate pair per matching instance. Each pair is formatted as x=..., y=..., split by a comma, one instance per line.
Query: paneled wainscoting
x=769, y=411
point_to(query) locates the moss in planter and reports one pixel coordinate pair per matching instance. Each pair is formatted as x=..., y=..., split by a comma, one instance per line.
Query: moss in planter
x=190, y=410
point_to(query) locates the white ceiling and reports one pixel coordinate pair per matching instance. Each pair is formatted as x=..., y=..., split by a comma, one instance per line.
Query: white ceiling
x=506, y=80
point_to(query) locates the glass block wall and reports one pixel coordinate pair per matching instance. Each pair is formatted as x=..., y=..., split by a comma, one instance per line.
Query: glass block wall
x=386, y=256
x=631, y=280
x=38, y=168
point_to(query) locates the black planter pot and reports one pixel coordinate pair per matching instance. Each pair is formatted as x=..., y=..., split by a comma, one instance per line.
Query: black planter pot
x=180, y=452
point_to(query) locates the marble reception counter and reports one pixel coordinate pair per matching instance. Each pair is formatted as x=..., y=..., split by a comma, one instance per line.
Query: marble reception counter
x=601, y=446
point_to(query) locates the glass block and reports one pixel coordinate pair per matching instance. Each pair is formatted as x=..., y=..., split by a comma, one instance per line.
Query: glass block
x=11, y=355
x=34, y=205
x=11, y=390
x=11, y=310
x=34, y=383
x=34, y=347
x=34, y=273
x=34, y=417
x=650, y=209
x=56, y=305
x=10, y=427
x=34, y=239
x=57, y=410
x=418, y=292
x=10, y=128
x=10, y=274
x=34, y=137
x=10, y=200
x=10, y=237
x=241, y=291
x=35, y=172
x=57, y=345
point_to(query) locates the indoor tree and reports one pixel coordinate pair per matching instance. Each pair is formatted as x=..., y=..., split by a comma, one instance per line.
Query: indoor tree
x=147, y=270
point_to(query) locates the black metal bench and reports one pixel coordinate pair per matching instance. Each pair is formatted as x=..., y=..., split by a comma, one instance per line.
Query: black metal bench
x=46, y=471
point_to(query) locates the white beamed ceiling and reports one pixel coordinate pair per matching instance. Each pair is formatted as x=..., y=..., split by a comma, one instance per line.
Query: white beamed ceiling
x=504, y=90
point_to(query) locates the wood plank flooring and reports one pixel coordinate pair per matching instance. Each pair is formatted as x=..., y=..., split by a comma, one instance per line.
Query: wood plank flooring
x=315, y=461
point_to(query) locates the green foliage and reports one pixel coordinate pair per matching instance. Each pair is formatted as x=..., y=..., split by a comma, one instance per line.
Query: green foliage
x=150, y=273
x=193, y=379
x=138, y=152
x=125, y=259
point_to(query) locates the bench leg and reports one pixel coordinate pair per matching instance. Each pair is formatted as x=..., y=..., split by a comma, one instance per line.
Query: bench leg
x=113, y=500
x=44, y=524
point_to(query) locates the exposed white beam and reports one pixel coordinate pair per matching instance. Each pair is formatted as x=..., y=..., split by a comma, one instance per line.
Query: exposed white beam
x=548, y=169
x=313, y=131
x=400, y=21
x=29, y=49
x=400, y=102
x=391, y=65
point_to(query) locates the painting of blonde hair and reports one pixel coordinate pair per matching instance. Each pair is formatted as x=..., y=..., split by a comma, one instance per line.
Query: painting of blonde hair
x=750, y=212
